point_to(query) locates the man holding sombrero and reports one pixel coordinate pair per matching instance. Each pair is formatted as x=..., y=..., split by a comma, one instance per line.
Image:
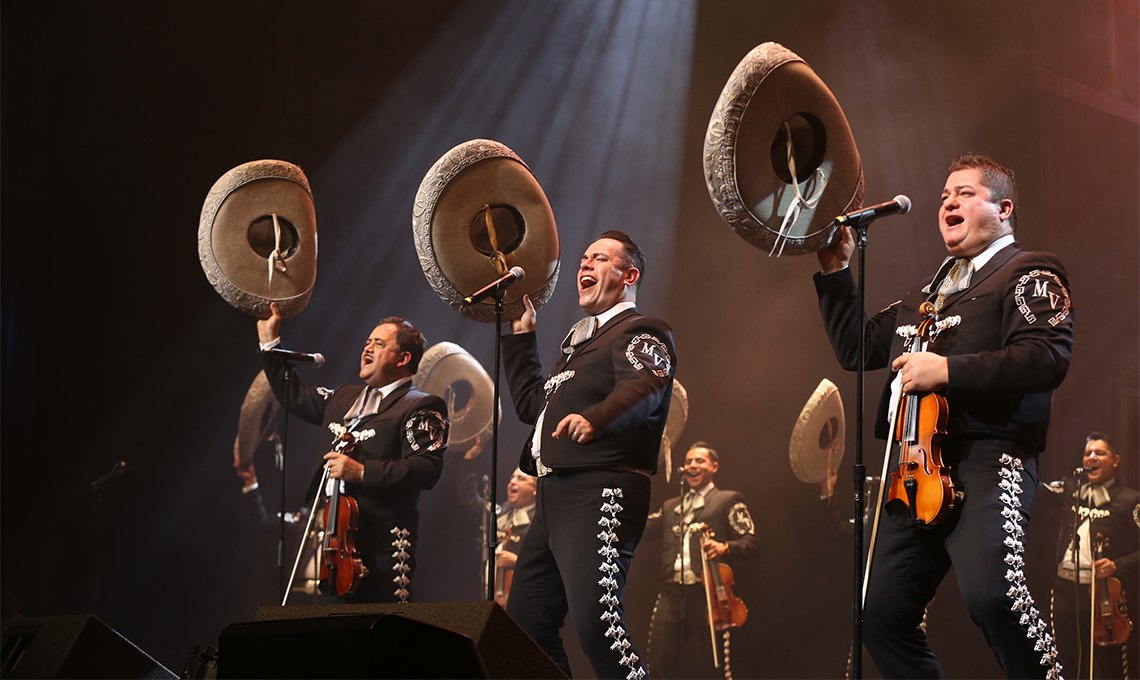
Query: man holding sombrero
x=598, y=424
x=997, y=369
x=400, y=434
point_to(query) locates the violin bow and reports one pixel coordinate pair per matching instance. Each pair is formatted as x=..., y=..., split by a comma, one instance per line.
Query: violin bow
x=305, y=537
x=706, y=580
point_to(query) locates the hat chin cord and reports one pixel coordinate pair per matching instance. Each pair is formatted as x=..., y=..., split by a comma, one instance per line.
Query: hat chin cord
x=799, y=201
x=277, y=257
x=498, y=257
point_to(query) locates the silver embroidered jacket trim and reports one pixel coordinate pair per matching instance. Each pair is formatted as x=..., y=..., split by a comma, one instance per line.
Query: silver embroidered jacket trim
x=1022, y=602
x=608, y=568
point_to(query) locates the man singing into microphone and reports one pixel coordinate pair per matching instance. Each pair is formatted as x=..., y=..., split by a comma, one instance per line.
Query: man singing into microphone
x=1106, y=512
x=598, y=424
x=400, y=435
x=997, y=369
x=679, y=637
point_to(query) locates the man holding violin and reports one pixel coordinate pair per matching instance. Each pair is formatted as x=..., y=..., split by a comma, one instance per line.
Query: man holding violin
x=1103, y=513
x=997, y=369
x=717, y=522
x=400, y=434
x=512, y=523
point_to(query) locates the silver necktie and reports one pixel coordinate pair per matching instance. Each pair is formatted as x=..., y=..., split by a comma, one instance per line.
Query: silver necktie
x=579, y=333
x=959, y=274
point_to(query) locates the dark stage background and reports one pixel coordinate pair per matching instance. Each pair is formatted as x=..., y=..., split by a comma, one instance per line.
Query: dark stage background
x=119, y=116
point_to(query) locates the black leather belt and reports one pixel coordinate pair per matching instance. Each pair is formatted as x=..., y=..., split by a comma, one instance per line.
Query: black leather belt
x=600, y=468
x=1066, y=572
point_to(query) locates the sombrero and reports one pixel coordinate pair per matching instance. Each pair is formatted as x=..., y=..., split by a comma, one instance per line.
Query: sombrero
x=674, y=426
x=451, y=373
x=773, y=115
x=257, y=238
x=480, y=211
x=256, y=419
x=818, y=435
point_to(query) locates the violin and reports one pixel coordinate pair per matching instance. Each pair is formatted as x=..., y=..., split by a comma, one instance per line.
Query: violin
x=921, y=492
x=341, y=567
x=1111, y=625
x=725, y=609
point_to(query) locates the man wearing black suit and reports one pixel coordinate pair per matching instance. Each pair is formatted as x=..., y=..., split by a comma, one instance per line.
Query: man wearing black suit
x=1103, y=507
x=997, y=369
x=679, y=642
x=598, y=424
x=400, y=434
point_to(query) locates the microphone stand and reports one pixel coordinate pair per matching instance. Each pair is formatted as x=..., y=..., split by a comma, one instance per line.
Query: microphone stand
x=682, y=545
x=492, y=519
x=1075, y=556
x=281, y=583
x=858, y=469
x=98, y=500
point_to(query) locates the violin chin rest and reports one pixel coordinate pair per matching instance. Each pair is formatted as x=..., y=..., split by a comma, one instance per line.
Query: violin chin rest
x=903, y=515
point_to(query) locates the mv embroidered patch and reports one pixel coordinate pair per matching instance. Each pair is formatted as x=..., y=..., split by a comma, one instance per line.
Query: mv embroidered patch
x=1041, y=294
x=740, y=520
x=426, y=430
x=646, y=350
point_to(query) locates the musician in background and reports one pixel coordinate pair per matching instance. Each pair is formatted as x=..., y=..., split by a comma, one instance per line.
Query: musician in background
x=997, y=370
x=1103, y=506
x=836, y=523
x=598, y=424
x=680, y=643
x=250, y=489
x=513, y=522
x=266, y=534
x=401, y=435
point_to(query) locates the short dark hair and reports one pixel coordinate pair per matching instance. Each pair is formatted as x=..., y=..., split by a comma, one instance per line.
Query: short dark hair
x=996, y=177
x=633, y=254
x=704, y=445
x=1100, y=436
x=408, y=338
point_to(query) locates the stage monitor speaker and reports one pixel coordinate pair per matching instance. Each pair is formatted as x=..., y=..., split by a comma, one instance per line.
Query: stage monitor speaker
x=366, y=646
x=79, y=646
x=421, y=639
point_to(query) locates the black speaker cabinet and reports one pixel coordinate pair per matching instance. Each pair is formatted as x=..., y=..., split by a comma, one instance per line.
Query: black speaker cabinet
x=414, y=640
x=78, y=646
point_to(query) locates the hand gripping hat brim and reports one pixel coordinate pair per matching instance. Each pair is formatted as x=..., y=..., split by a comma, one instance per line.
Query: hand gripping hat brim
x=456, y=247
x=773, y=107
x=257, y=238
x=817, y=439
x=451, y=373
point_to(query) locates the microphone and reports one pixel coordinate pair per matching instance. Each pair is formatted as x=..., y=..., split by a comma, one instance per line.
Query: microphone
x=685, y=471
x=1082, y=471
x=120, y=469
x=497, y=286
x=898, y=205
x=291, y=357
